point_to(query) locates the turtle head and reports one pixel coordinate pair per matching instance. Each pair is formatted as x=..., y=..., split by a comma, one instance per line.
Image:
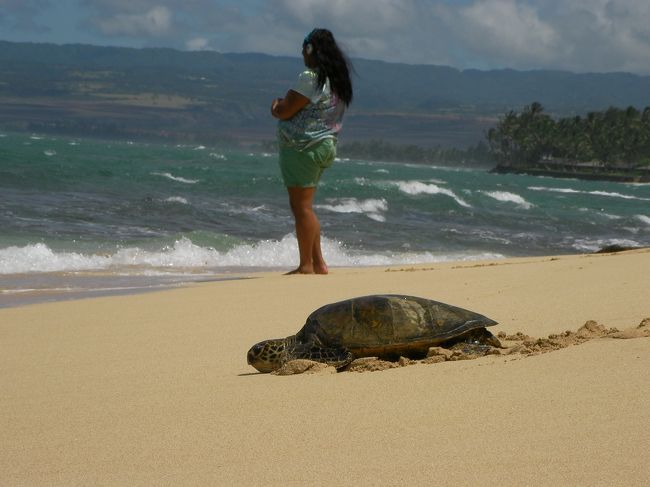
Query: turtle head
x=268, y=355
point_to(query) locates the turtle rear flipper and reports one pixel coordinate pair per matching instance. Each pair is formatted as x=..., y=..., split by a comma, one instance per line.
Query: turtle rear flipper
x=337, y=357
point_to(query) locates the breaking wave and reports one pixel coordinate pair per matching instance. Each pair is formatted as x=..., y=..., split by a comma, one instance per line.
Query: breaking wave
x=609, y=194
x=372, y=208
x=508, y=197
x=186, y=256
x=178, y=179
x=418, y=187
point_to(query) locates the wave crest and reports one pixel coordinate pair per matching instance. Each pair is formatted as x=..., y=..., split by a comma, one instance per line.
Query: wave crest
x=372, y=208
x=186, y=256
x=418, y=187
x=507, y=197
x=608, y=194
x=178, y=179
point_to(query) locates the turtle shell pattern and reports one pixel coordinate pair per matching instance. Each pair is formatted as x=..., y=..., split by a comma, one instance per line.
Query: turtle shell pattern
x=388, y=325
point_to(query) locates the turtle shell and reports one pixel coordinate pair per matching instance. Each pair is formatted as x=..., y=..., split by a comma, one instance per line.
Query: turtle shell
x=389, y=325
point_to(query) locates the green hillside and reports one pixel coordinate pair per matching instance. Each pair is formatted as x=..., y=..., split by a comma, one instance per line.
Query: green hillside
x=206, y=96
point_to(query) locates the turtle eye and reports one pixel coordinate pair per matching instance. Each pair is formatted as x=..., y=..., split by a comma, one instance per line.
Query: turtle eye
x=255, y=351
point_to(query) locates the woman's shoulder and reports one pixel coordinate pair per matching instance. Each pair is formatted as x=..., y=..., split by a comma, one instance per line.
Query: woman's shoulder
x=308, y=75
x=307, y=84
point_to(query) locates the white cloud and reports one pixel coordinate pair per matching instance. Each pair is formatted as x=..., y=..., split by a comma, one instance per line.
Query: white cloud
x=197, y=44
x=606, y=35
x=155, y=22
x=577, y=35
x=394, y=30
x=365, y=17
x=505, y=30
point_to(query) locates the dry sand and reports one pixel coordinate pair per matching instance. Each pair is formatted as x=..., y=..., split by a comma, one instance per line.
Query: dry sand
x=154, y=389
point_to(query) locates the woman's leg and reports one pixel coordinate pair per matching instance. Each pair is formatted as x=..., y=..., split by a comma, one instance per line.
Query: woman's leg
x=307, y=232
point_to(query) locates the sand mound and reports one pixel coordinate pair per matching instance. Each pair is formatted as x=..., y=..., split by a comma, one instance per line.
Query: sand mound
x=517, y=344
x=371, y=364
x=526, y=345
x=304, y=367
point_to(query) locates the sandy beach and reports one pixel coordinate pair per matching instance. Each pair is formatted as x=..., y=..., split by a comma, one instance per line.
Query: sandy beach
x=154, y=389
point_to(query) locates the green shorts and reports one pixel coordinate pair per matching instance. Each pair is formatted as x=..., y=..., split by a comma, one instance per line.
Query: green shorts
x=303, y=169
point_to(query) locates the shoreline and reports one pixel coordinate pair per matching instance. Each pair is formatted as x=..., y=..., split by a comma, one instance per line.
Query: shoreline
x=50, y=287
x=154, y=388
x=619, y=176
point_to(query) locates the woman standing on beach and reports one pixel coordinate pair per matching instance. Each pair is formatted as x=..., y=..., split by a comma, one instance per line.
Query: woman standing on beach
x=310, y=117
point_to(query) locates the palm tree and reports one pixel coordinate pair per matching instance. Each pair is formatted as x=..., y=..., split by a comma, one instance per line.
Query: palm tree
x=501, y=139
x=614, y=136
x=536, y=133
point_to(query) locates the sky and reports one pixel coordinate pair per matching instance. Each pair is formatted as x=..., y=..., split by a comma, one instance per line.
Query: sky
x=573, y=35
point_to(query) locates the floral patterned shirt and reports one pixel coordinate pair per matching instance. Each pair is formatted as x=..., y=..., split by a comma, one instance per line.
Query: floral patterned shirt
x=320, y=119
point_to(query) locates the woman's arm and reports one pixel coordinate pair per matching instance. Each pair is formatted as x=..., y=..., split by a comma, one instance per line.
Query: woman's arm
x=285, y=108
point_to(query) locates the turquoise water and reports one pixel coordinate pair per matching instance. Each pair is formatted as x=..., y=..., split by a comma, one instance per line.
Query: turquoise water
x=79, y=205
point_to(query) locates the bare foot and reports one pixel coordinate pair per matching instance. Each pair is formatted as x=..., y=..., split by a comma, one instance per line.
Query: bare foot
x=321, y=269
x=299, y=270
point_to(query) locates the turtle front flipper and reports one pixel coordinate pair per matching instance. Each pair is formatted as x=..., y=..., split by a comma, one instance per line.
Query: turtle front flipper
x=337, y=357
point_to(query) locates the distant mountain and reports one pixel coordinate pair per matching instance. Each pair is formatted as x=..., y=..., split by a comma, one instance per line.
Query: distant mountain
x=208, y=96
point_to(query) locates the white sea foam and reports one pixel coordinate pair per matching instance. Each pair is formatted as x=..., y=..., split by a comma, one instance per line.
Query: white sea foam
x=199, y=147
x=508, y=197
x=40, y=258
x=185, y=256
x=233, y=209
x=554, y=190
x=49, y=152
x=372, y=208
x=643, y=218
x=182, y=254
x=282, y=253
x=362, y=181
x=592, y=245
x=418, y=187
x=613, y=195
x=337, y=257
x=216, y=155
x=175, y=178
x=177, y=199
x=609, y=194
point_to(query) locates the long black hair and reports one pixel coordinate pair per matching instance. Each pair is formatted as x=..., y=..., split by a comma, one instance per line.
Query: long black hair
x=330, y=62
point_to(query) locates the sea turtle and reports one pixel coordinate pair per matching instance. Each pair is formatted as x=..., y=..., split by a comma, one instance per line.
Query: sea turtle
x=386, y=326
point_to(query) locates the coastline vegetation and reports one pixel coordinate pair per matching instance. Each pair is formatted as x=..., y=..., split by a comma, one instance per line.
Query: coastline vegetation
x=382, y=150
x=611, y=144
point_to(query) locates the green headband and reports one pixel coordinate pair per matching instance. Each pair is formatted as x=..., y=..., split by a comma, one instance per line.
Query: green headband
x=308, y=37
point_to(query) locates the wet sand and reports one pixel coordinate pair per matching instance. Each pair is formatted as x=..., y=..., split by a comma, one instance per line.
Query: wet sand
x=154, y=389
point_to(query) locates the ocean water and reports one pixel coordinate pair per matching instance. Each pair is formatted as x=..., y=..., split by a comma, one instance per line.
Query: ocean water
x=81, y=215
